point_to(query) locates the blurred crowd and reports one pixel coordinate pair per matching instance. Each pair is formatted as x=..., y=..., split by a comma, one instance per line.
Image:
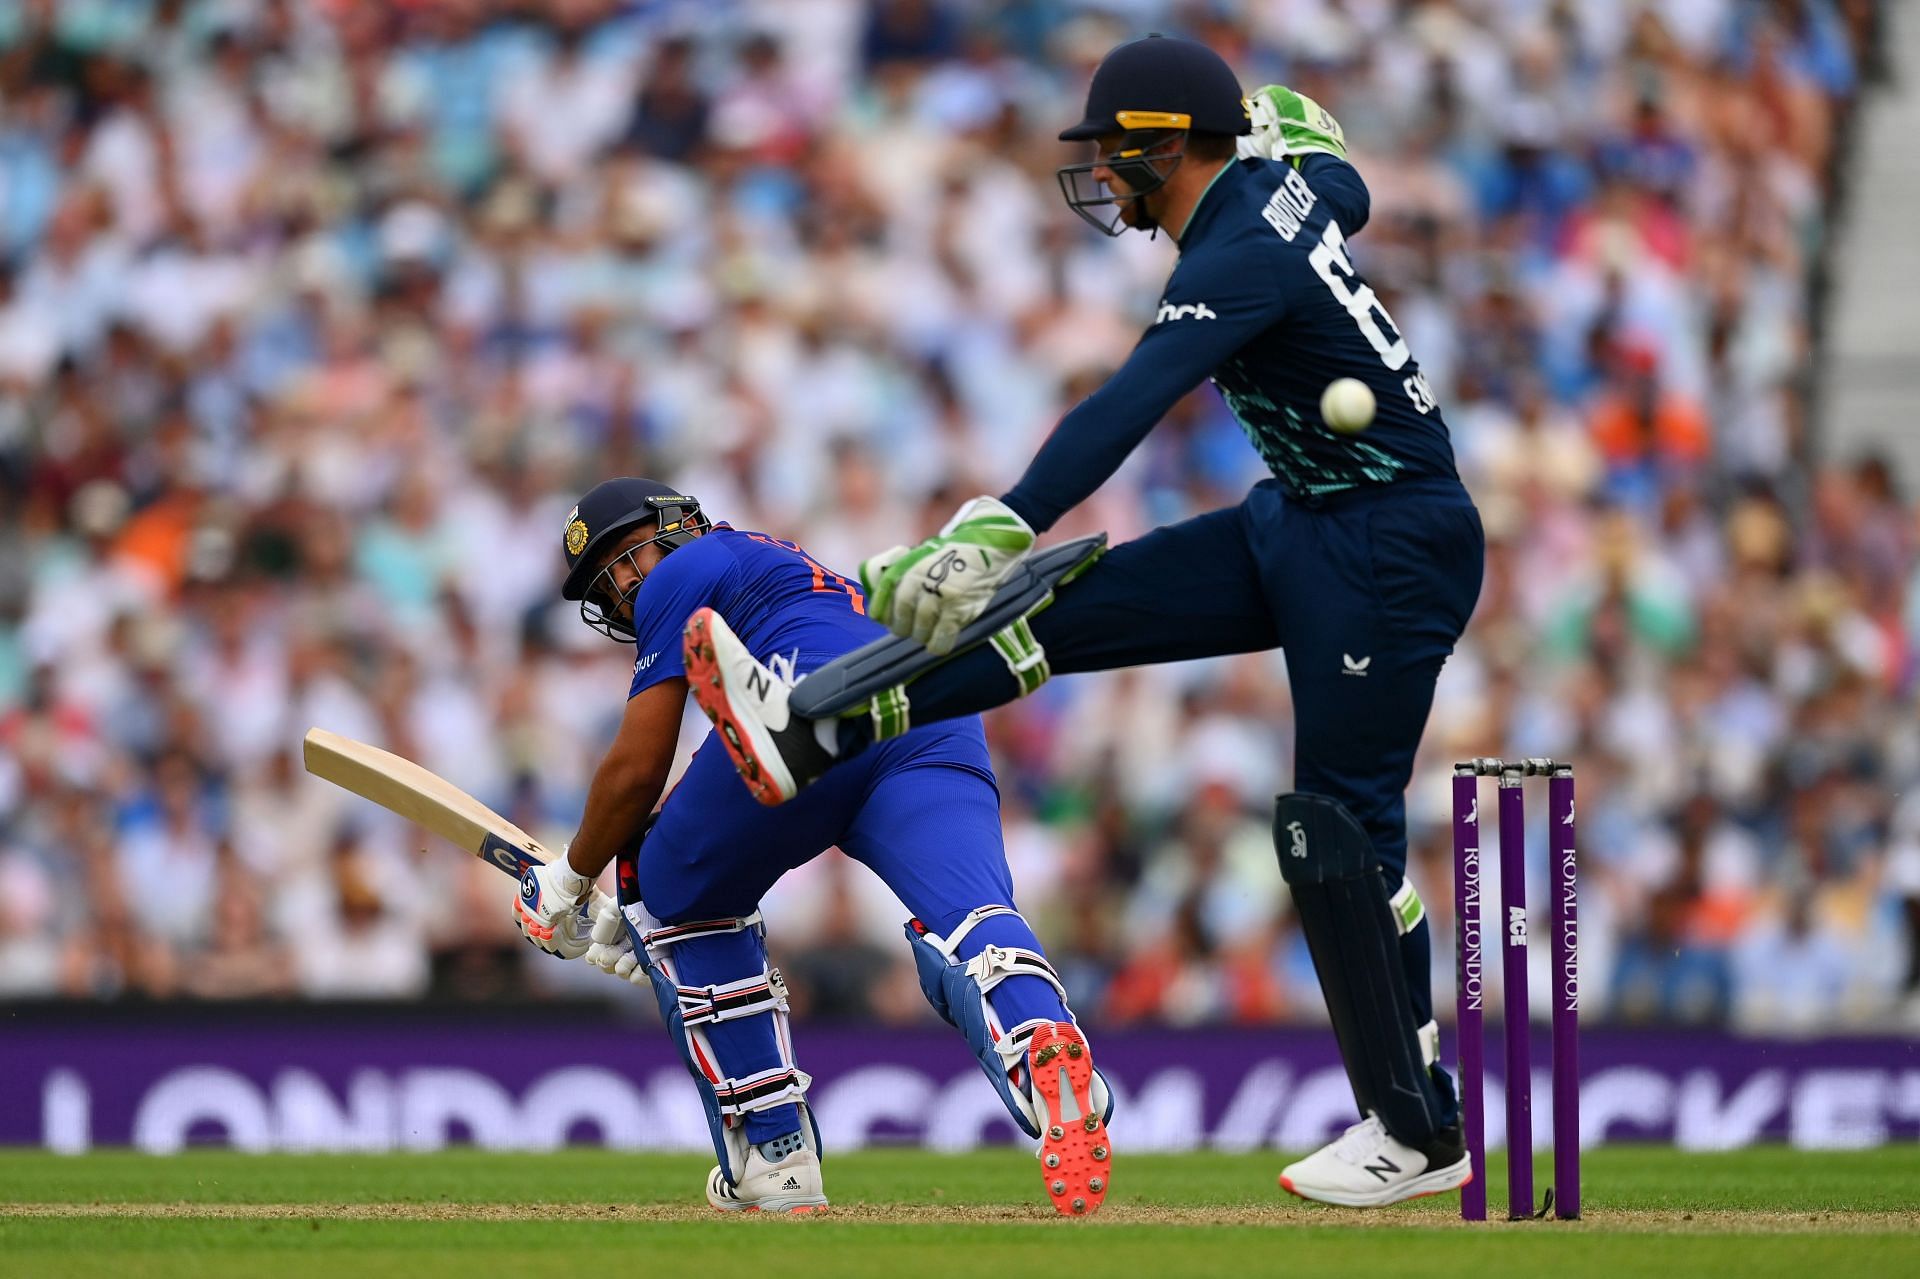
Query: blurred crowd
x=315, y=317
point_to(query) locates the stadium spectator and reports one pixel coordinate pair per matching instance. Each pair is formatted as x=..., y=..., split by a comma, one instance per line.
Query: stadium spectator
x=311, y=313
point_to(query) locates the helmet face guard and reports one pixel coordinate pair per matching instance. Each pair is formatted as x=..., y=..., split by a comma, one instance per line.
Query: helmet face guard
x=602, y=605
x=1139, y=162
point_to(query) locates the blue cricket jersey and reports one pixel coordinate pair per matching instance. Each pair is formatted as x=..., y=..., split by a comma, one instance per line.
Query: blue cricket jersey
x=774, y=595
x=1266, y=302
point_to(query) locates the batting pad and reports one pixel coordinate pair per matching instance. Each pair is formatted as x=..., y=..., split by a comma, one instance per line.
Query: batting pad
x=1353, y=933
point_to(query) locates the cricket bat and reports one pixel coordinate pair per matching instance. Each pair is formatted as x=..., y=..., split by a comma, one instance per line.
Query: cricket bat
x=403, y=787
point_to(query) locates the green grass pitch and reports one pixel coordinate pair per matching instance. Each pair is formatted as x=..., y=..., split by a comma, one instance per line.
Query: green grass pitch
x=902, y=1213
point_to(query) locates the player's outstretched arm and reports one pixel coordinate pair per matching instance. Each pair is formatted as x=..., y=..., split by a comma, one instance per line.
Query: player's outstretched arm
x=631, y=777
x=1213, y=305
x=624, y=790
x=932, y=591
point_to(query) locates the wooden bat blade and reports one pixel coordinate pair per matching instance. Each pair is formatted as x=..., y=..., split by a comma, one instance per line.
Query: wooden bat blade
x=404, y=788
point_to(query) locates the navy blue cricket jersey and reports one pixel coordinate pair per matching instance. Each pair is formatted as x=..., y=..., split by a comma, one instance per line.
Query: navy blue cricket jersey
x=1266, y=302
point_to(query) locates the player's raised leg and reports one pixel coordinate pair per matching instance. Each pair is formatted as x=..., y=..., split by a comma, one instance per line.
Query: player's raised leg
x=775, y=751
x=931, y=830
x=1186, y=591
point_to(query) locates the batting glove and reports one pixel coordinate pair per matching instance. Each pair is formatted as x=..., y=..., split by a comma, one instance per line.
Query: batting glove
x=930, y=592
x=547, y=911
x=612, y=948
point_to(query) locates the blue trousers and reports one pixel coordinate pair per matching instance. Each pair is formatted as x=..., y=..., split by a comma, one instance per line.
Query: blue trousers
x=922, y=812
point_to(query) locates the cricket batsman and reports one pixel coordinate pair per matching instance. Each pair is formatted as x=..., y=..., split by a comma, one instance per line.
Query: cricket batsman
x=920, y=810
x=1361, y=556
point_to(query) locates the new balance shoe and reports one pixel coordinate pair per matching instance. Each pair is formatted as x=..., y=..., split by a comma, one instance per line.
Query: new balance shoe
x=1365, y=1167
x=791, y=1184
x=1076, y=1157
x=776, y=752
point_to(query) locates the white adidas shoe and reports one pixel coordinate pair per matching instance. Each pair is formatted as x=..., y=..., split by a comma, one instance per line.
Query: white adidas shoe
x=1365, y=1167
x=776, y=752
x=791, y=1185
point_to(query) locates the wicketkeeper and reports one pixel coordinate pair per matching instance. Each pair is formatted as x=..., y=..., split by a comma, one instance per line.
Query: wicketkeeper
x=1361, y=557
x=920, y=810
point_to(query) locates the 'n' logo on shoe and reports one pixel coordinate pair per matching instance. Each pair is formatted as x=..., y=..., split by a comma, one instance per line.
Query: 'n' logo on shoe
x=1381, y=1167
x=758, y=684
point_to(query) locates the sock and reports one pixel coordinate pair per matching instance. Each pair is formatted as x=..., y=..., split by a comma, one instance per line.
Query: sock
x=780, y=1147
x=1416, y=957
x=764, y=1126
x=1016, y=999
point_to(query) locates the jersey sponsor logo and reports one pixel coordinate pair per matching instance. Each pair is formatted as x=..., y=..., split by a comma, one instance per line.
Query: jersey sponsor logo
x=641, y=663
x=1289, y=205
x=1351, y=665
x=1188, y=311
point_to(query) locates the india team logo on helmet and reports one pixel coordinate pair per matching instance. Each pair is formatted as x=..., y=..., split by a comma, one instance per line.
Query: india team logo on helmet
x=576, y=532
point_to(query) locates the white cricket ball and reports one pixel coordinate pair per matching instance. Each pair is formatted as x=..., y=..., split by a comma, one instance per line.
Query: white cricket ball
x=1347, y=405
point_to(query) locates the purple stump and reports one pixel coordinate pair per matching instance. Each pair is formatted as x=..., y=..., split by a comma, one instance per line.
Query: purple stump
x=1513, y=976
x=1564, y=881
x=1469, y=985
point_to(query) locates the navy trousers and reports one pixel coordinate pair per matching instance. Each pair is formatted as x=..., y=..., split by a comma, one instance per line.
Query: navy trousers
x=1367, y=593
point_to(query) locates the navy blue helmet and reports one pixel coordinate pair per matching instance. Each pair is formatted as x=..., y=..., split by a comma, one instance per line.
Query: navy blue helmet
x=1149, y=91
x=609, y=511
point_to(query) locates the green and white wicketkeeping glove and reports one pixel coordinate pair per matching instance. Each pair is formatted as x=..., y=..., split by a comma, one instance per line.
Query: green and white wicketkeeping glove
x=933, y=590
x=1286, y=123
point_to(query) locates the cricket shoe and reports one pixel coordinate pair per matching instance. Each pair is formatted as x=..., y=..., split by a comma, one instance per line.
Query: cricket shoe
x=775, y=751
x=1365, y=1167
x=791, y=1184
x=1076, y=1158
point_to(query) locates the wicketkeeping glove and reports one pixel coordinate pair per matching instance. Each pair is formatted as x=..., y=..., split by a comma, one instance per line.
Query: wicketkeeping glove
x=1287, y=123
x=547, y=911
x=931, y=591
x=612, y=948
